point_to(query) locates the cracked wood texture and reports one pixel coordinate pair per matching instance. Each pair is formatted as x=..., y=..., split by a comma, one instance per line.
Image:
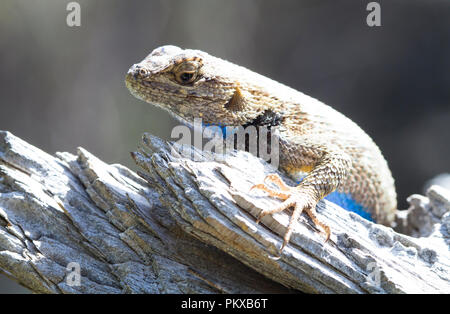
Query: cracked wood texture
x=187, y=225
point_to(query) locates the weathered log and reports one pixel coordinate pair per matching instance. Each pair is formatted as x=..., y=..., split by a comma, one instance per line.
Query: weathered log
x=187, y=224
x=59, y=210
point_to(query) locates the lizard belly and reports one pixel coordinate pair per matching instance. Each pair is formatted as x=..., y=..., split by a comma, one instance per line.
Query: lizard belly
x=344, y=200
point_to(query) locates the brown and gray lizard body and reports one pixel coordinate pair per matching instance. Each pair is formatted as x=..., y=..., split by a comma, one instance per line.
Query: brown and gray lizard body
x=328, y=154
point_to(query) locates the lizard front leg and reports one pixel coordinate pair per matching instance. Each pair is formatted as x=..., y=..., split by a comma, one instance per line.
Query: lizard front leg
x=324, y=178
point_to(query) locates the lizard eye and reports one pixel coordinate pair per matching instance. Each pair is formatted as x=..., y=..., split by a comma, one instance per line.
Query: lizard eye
x=185, y=77
x=187, y=72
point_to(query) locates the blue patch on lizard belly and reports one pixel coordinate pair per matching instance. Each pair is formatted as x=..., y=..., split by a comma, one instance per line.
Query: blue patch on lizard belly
x=346, y=201
x=221, y=127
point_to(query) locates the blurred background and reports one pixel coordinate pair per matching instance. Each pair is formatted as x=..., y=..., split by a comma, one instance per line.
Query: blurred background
x=62, y=87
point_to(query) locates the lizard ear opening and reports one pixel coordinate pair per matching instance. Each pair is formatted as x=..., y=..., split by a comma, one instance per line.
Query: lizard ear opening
x=237, y=101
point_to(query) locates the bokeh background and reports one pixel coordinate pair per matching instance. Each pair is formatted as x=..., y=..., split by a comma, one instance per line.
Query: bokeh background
x=63, y=87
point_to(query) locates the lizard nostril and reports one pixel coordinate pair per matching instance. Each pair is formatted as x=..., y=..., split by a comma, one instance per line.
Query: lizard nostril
x=142, y=72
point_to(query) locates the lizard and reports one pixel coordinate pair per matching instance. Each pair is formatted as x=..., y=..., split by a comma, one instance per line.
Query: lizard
x=328, y=154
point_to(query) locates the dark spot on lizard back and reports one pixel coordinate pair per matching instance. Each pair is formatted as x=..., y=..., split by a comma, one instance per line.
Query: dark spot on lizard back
x=268, y=118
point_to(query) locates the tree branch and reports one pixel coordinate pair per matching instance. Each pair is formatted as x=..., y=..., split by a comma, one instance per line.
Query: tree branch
x=189, y=227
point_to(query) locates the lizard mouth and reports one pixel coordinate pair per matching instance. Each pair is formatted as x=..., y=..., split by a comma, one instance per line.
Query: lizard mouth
x=144, y=90
x=132, y=85
x=143, y=87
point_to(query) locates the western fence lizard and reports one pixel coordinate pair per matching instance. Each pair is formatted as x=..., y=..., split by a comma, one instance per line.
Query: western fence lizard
x=328, y=154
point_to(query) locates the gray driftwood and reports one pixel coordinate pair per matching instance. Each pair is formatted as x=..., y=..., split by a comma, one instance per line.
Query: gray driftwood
x=187, y=225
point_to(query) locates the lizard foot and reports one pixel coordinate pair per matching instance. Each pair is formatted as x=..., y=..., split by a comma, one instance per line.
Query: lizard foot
x=295, y=197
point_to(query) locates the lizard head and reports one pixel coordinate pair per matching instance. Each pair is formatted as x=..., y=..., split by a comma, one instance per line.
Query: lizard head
x=193, y=84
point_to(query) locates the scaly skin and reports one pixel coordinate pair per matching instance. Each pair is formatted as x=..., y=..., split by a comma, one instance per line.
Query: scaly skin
x=327, y=153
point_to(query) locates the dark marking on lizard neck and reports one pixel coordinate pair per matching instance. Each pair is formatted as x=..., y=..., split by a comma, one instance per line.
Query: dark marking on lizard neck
x=268, y=119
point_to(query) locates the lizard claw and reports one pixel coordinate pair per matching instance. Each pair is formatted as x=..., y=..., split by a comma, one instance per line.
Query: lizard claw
x=274, y=178
x=298, y=197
